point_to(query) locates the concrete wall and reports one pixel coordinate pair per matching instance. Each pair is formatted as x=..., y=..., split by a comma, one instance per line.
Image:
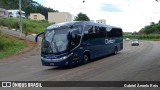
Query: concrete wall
x=36, y=16
x=59, y=17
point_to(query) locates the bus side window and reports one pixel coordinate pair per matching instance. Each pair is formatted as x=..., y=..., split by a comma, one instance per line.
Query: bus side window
x=76, y=36
x=97, y=29
x=115, y=32
x=111, y=33
x=100, y=32
x=87, y=32
x=103, y=32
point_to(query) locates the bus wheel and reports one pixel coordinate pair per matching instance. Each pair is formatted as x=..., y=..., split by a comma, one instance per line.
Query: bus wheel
x=115, y=51
x=85, y=58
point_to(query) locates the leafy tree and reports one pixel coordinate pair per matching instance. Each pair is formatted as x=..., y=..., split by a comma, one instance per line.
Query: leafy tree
x=82, y=17
x=141, y=31
x=153, y=28
x=152, y=23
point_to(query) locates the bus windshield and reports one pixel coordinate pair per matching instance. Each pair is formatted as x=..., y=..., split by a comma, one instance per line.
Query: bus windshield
x=56, y=40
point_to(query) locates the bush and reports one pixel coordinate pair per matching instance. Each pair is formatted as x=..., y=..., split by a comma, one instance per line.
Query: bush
x=29, y=26
x=144, y=36
x=9, y=46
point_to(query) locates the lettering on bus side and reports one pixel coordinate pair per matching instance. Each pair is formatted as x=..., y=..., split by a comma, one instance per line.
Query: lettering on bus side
x=109, y=41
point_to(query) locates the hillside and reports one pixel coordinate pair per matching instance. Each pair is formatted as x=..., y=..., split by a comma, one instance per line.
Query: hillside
x=153, y=28
x=10, y=45
x=29, y=6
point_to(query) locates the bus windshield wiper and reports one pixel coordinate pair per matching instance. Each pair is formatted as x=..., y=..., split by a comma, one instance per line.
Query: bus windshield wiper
x=54, y=43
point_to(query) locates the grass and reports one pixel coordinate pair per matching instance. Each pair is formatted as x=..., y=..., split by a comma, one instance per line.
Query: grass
x=152, y=37
x=29, y=26
x=9, y=46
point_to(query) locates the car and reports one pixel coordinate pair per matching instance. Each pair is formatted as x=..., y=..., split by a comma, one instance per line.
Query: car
x=135, y=42
x=127, y=39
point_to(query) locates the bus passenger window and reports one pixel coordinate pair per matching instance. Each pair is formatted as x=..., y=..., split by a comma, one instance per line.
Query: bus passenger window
x=76, y=37
x=97, y=29
x=87, y=31
x=115, y=32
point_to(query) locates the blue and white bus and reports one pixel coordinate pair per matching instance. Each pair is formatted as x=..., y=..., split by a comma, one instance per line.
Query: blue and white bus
x=71, y=43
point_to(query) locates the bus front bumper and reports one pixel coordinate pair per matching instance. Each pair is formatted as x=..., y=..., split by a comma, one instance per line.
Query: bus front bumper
x=63, y=61
x=60, y=63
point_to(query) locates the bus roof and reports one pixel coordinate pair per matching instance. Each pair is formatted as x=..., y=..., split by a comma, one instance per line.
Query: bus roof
x=70, y=23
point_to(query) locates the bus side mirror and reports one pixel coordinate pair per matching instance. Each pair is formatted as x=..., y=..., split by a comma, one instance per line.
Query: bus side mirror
x=36, y=37
x=69, y=37
x=74, y=35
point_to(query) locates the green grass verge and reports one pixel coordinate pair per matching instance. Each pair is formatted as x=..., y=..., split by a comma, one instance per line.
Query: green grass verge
x=29, y=26
x=152, y=37
x=9, y=46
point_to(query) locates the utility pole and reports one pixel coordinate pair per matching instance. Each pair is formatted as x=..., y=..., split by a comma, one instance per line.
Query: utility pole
x=20, y=18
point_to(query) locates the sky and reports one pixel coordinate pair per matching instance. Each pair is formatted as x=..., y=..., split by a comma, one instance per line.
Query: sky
x=130, y=15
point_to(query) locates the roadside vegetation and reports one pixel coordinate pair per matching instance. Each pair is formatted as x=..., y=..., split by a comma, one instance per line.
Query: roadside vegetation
x=149, y=32
x=81, y=17
x=154, y=37
x=29, y=26
x=9, y=46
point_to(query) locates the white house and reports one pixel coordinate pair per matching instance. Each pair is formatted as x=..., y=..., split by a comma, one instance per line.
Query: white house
x=15, y=13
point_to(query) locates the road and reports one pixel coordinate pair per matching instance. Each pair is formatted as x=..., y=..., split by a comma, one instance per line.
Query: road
x=133, y=63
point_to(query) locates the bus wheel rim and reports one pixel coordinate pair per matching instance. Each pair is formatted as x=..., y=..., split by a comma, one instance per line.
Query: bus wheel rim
x=115, y=51
x=85, y=58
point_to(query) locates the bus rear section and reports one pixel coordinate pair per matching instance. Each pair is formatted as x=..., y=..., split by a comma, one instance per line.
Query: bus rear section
x=100, y=40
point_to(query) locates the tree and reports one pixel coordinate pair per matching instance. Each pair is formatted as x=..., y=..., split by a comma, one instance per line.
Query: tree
x=152, y=23
x=82, y=17
x=141, y=31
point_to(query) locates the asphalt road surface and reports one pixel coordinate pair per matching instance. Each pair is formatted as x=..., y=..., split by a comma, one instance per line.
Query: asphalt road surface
x=133, y=63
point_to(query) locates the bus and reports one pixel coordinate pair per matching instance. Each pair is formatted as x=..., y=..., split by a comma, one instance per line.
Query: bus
x=77, y=42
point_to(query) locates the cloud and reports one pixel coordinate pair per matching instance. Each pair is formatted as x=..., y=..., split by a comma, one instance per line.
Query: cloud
x=131, y=15
x=110, y=8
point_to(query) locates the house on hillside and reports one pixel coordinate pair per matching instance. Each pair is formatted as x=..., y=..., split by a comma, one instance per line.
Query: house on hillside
x=3, y=12
x=36, y=16
x=58, y=17
x=15, y=13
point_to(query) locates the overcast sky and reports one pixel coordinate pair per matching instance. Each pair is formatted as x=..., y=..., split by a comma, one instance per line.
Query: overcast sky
x=130, y=15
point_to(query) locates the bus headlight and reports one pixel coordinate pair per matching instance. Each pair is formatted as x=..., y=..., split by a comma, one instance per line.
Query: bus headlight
x=65, y=57
x=57, y=59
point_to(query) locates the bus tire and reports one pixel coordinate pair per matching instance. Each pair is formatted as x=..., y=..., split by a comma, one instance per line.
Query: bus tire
x=86, y=58
x=115, y=50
